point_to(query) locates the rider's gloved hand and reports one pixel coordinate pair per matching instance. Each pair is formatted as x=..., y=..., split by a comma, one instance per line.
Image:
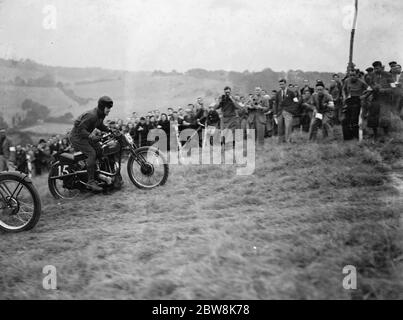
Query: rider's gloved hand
x=94, y=137
x=97, y=138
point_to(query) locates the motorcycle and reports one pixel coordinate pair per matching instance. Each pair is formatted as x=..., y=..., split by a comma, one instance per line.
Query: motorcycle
x=147, y=167
x=20, y=204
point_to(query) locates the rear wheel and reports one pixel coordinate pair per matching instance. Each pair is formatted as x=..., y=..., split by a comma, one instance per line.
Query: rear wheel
x=62, y=188
x=20, y=204
x=147, y=168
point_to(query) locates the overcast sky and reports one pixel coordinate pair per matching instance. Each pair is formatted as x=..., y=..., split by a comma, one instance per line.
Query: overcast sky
x=210, y=34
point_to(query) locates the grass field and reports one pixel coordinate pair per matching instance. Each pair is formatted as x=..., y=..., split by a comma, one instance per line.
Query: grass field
x=285, y=232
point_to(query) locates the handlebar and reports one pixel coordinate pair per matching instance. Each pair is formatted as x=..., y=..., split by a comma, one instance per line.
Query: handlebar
x=110, y=134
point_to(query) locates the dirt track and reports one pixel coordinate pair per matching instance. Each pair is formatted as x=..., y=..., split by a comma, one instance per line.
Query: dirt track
x=285, y=232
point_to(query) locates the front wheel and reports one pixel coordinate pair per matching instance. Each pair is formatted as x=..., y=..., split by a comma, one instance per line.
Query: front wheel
x=20, y=204
x=147, y=168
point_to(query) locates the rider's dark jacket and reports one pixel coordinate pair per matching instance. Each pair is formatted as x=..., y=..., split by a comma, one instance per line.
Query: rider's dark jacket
x=87, y=122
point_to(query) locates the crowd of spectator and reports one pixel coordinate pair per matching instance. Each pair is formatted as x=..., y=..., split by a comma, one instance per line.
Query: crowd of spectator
x=374, y=94
x=35, y=159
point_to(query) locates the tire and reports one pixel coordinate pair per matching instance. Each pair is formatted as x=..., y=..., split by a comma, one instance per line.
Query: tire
x=142, y=152
x=57, y=194
x=32, y=192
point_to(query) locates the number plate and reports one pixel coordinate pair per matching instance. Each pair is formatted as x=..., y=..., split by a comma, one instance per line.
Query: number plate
x=129, y=138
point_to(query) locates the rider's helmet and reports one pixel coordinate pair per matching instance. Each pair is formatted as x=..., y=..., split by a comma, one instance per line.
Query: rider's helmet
x=104, y=102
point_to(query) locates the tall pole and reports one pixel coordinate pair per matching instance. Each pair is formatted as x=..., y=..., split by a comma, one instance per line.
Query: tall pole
x=350, y=60
x=351, y=67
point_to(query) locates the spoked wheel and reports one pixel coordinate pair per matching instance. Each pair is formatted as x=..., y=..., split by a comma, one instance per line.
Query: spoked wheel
x=20, y=204
x=147, y=168
x=61, y=188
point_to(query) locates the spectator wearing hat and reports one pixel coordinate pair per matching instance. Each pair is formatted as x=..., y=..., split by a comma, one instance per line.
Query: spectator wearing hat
x=392, y=64
x=5, y=145
x=380, y=109
x=322, y=105
x=306, y=86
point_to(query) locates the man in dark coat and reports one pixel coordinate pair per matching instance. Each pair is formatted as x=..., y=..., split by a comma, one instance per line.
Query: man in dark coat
x=285, y=108
x=83, y=136
x=229, y=108
x=380, y=110
x=140, y=132
x=21, y=160
x=353, y=89
x=323, y=107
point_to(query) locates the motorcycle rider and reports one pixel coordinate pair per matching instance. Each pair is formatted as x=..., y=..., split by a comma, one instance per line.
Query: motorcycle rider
x=84, y=137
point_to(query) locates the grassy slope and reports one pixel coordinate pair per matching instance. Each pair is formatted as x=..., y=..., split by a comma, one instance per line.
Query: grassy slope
x=285, y=232
x=49, y=128
x=134, y=93
x=12, y=98
x=140, y=93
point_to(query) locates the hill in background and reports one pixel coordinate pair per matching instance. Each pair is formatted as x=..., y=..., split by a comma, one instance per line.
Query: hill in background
x=74, y=90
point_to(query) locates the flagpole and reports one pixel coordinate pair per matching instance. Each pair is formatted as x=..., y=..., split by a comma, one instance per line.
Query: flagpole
x=351, y=67
x=350, y=60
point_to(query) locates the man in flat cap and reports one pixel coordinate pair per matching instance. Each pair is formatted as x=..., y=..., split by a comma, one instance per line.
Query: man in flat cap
x=392, y=64
x=380, y=109
x=83, y=136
